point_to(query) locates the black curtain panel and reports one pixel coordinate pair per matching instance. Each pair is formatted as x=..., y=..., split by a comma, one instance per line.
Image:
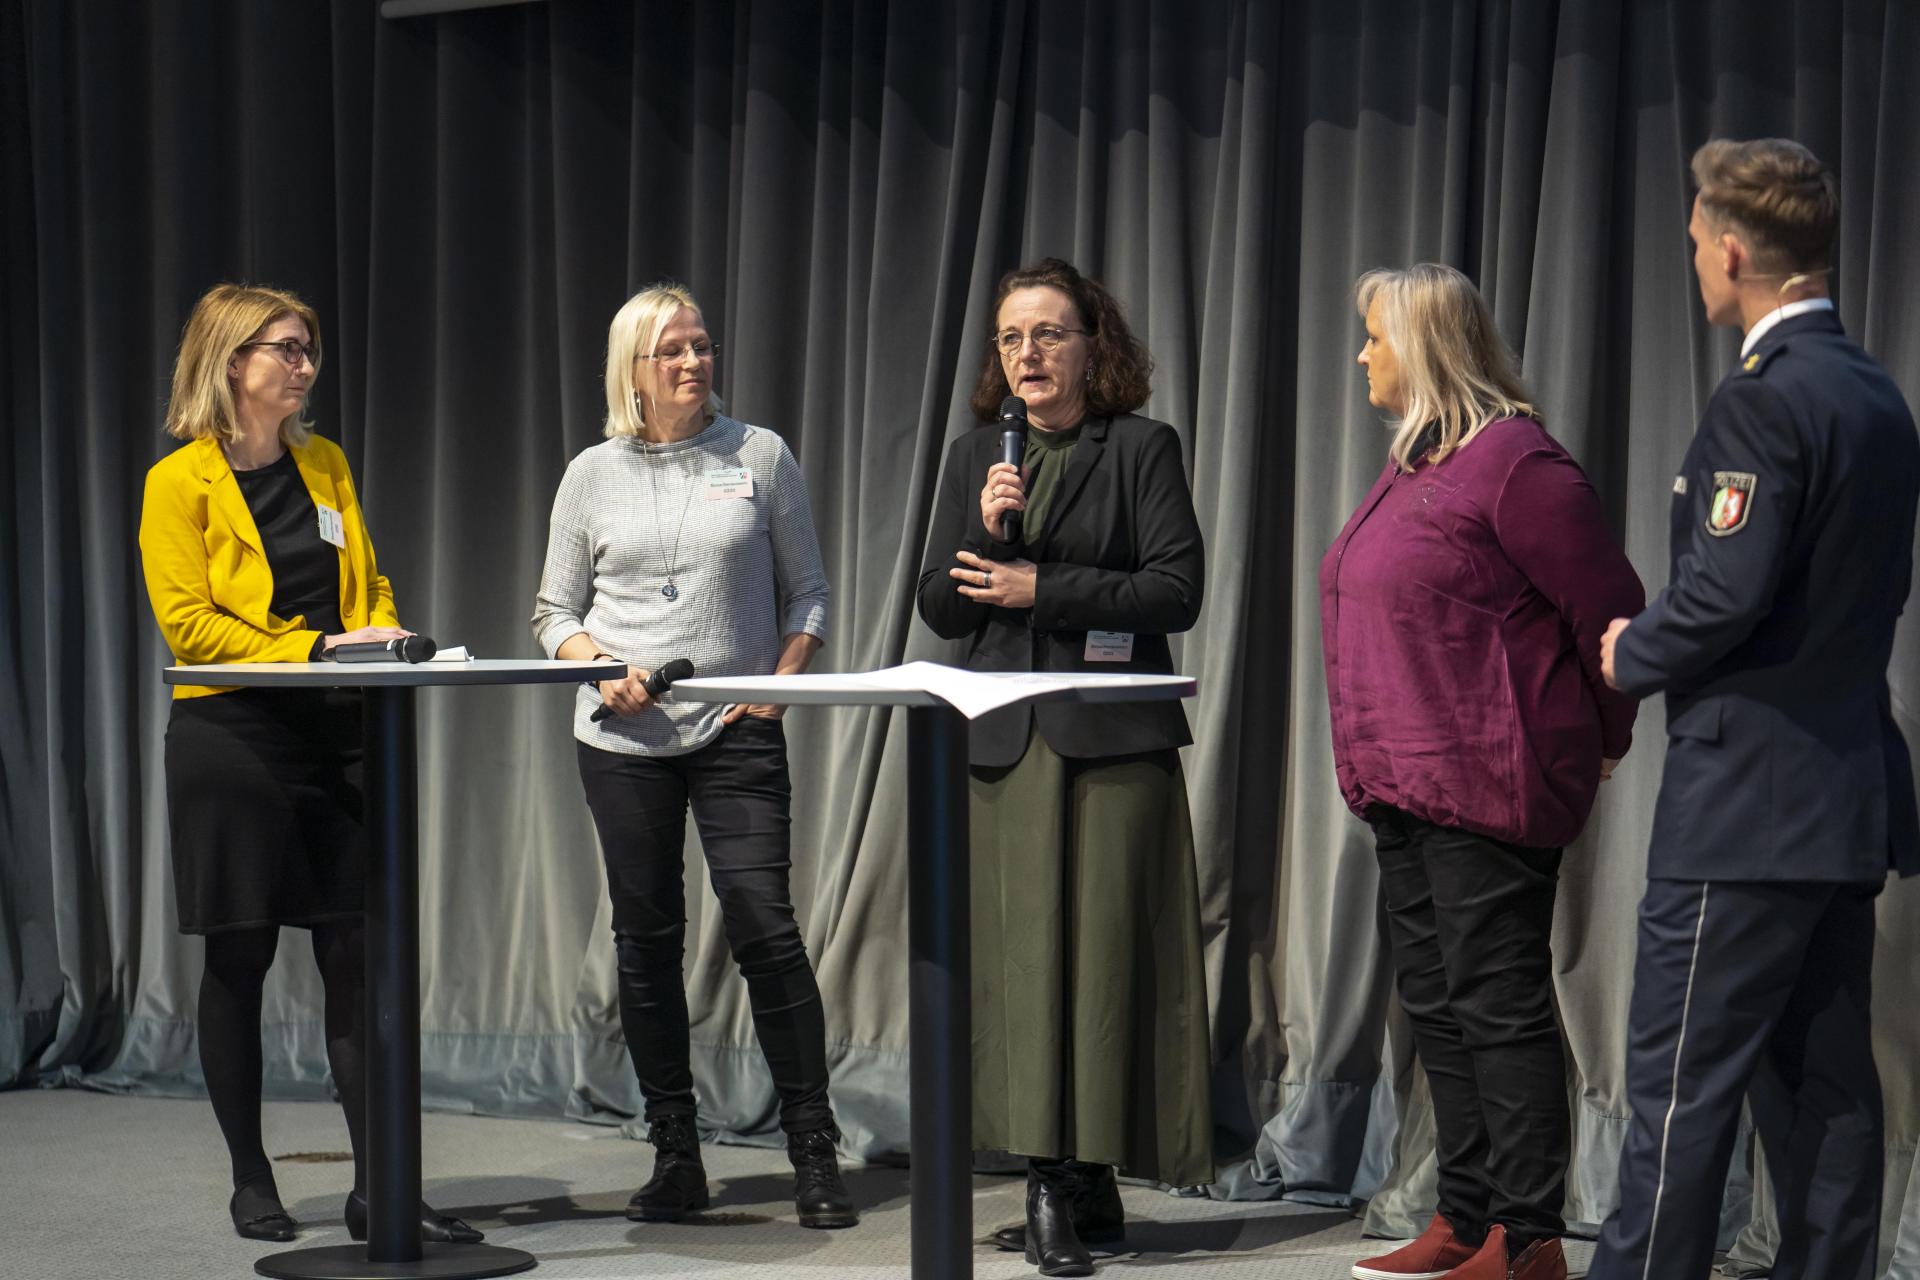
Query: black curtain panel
x=467, y=199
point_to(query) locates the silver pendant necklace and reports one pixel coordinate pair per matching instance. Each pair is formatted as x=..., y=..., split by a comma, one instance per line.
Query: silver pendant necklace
x=669, y=563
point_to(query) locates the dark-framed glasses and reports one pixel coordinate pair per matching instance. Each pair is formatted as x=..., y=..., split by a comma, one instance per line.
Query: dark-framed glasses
x=290, y=350
x=674, y=353
x=1047, y=337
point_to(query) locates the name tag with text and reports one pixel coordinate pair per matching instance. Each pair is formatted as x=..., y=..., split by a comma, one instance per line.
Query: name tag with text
x=332, y=528
x=1108, y=646
x=729, y=482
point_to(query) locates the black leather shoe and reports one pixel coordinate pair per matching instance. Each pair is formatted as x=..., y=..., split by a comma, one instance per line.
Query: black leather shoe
x=258, y=1215
x=819, y=1196
x=1098, y=1216
x=1053, y=1246
x=435, y=1228
x=679, y=1183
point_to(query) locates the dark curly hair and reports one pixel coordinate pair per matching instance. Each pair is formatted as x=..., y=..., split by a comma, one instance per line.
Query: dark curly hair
x=1119, y=370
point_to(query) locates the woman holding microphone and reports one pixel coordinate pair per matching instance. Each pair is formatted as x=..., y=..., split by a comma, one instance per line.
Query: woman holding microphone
x=255, y=549
x=688, y=535
x=1089, y=999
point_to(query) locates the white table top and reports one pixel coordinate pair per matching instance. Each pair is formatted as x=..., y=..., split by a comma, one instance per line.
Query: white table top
x=351, y=675
x=932, y=684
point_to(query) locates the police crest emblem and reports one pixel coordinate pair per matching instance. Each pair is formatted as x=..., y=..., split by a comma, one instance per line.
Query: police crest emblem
x=1732, y=502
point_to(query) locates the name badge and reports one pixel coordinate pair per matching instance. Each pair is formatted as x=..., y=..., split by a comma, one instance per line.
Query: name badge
x=729, y=482
x=332, y=528
x=1108, y=646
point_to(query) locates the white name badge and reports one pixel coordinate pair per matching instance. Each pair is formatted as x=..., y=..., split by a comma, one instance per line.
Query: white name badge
x=332, y=528
x=1108, y=646
x=729, y=482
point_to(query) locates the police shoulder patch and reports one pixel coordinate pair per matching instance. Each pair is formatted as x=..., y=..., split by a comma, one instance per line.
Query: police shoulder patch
x=1732, y=502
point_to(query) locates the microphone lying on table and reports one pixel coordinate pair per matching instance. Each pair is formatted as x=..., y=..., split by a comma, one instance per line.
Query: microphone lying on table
x=402, y=649
x=655, y=685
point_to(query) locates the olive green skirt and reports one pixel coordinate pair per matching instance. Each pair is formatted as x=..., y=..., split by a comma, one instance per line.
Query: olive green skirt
x=1089, y=996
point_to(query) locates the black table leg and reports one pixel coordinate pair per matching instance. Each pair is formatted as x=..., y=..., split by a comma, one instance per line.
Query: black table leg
x=393, y=1250
x=939, y=994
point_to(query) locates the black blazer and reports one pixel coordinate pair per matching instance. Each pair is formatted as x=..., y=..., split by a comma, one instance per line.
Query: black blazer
x=1792, y=550
x=1120, y=552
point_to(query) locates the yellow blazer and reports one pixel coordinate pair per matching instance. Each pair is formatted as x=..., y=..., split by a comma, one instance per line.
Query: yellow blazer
x=207, y=571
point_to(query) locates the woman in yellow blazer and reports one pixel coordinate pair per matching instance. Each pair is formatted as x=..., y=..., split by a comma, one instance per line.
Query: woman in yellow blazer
x=255, y=550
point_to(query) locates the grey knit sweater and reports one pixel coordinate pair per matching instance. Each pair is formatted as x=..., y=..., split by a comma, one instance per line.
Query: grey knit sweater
x=632, y=516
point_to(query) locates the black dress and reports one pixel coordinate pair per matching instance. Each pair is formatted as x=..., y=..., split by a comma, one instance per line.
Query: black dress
x=263, y=785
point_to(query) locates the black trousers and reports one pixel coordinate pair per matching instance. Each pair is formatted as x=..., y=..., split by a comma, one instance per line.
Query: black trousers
x=1762, y=991
x=1470, y=920
x=740, y=795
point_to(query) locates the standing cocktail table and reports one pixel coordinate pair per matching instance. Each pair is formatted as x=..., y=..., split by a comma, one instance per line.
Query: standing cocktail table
x=939, y=701
x=393, y=1250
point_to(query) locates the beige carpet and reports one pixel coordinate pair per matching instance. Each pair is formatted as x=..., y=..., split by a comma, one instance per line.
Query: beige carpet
x=105, y=1187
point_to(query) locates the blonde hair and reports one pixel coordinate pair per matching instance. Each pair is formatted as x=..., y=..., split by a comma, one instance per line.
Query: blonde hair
x=1776, y=195
x=227, y=317
x=1457, y=373
x=635, y=329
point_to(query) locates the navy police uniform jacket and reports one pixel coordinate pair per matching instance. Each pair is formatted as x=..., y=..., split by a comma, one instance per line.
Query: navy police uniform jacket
x=1792, y=552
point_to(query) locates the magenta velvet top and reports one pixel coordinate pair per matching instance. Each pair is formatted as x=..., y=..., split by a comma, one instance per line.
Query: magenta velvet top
x=1460, y=614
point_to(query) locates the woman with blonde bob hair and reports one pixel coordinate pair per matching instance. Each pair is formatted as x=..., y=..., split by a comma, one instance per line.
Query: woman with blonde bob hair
x=1461, y=611
x=687, y=534
x=255, y=549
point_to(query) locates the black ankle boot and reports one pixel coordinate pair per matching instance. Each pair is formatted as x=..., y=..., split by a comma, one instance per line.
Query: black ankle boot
x=435, y=1227
x=679, y=1183
x=257, y=1212
x=819, y=1196
x=1098, y=1216
x=1052, y=1243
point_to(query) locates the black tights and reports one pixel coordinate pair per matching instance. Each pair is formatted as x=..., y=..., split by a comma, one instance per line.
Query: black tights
x=237, y=964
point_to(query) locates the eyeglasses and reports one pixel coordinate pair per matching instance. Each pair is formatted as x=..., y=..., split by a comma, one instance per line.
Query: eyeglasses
x=702, y=351
x=291, y=351
x=1047, y=337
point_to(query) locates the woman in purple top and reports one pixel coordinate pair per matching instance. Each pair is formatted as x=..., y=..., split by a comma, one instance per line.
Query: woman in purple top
x=1461, y=610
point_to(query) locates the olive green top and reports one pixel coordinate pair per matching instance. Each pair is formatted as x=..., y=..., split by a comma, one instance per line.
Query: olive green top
x=1045, y=460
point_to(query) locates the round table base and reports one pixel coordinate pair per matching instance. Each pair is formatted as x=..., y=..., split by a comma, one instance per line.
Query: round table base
x=437, y=1262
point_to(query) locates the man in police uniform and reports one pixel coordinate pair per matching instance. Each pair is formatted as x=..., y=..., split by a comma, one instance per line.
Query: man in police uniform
x=1788, y=792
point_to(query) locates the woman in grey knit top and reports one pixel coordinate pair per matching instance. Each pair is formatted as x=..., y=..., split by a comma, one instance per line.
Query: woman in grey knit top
x=687, y=534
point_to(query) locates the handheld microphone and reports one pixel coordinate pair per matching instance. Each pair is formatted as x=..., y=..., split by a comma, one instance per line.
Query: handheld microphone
x=655, y=685
x=1013, y=448
x=403, y=649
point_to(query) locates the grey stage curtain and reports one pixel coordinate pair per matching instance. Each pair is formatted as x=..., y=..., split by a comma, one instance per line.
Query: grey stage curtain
x=467, y=199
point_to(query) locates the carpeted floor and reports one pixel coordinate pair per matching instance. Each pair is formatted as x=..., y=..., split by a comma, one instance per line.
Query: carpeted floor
x=105, y=1187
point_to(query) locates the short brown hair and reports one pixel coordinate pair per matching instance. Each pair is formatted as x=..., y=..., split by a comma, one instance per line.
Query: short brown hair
x=225, y=318
x=1776, y=195
x=1119, y=370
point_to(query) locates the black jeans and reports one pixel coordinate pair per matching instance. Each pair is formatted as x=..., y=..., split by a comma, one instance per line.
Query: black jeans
x=738, y=787
x=1470, y=919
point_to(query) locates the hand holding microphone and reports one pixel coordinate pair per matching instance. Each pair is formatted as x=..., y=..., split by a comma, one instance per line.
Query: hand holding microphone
x=1005, y=496
x=655, y=686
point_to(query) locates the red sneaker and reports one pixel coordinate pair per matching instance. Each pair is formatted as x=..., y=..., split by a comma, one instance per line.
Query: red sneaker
x=1490, y=1263
x=1541, y=1260
x=1435, y=1254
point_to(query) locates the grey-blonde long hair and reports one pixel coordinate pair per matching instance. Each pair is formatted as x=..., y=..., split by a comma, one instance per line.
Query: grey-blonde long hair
x=1457, y=373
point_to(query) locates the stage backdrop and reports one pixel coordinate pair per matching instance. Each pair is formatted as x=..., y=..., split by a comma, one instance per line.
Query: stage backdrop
x=467, y=199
